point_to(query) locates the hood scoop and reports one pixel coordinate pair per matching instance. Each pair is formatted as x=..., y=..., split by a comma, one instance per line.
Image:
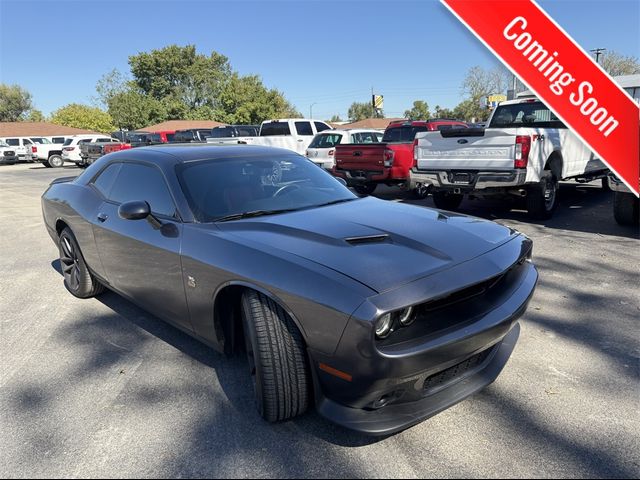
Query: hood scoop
x=366, y=239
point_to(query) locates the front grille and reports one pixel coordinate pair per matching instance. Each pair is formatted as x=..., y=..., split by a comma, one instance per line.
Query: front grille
x=9, y=153
x=456, y=372
x=462, y=295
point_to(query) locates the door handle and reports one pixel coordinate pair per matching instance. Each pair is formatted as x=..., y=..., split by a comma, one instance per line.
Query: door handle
x=102, y=217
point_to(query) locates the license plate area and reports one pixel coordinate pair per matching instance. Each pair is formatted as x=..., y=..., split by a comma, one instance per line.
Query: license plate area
x=461, y=178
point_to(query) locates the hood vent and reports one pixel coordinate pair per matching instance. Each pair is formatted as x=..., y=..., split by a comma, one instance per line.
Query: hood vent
x=367, y=239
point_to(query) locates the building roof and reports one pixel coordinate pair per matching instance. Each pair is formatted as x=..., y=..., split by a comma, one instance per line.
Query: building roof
x=38, y=129
x=377, y=123
x=181, y=125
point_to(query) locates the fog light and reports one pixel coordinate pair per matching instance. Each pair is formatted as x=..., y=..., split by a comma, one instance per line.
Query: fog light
x=383, y=326
x=407, y=317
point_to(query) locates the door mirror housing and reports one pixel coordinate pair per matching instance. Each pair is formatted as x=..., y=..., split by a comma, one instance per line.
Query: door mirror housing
x=136, y=210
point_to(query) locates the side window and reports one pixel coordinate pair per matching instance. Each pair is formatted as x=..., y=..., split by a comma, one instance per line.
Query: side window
x=304, y=128
x=103, y=140
x=143, y=182
x=84, y=140
x=321, y=127
x=104, y=181
x=27, y=142
x=14, y=142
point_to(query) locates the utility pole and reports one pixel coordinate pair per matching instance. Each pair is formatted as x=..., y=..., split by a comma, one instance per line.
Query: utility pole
x=311, y=110
x=598, y=52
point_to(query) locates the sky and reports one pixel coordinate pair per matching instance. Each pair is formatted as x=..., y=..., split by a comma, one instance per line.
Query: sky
x=323, y=55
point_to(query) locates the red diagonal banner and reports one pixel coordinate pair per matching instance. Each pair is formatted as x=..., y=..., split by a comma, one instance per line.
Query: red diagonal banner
x=563, y=75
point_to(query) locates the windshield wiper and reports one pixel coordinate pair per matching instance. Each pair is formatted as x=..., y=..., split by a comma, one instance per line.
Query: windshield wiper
x=253, y=213
x=333, y=202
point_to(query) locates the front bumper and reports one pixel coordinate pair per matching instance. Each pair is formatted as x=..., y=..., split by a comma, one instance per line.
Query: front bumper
x=445, y=356
x=466, y=180
x=397, y=417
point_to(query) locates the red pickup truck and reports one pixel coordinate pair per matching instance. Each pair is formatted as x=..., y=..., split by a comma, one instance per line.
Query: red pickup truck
x=364, y=166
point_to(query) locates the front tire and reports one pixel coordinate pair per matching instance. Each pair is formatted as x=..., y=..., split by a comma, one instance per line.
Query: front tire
x=55, y=161
x=277, y=358
x=77, y=278
x=447, y=201
x=542, y=199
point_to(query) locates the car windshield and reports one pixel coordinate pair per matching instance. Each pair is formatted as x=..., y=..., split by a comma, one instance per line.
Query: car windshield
x=402, y=134
x=526, y=114
x=326, y=140
x=250, y=185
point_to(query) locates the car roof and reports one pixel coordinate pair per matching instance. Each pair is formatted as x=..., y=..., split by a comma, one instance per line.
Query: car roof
x=188, y=152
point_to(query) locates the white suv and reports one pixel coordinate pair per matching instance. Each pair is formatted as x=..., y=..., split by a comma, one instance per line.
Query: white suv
x=71, y=147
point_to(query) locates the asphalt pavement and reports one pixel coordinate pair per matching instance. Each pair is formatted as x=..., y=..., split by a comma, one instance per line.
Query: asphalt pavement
x=100, y=388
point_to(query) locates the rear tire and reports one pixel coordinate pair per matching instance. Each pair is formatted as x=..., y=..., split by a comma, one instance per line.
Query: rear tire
x=55, y=161
x=365, y=188
x=542, y=199
x=447, y=201
x=77, y=278
x=277, y=358
x=625, y=208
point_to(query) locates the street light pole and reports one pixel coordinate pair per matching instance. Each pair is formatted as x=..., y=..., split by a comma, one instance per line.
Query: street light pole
x=311, y=110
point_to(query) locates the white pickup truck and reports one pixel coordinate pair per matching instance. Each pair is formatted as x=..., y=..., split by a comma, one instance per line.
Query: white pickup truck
x=291, y=133
x=524, y=151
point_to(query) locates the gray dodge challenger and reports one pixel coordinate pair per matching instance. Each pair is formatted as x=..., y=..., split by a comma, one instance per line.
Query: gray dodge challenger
x=379, y=314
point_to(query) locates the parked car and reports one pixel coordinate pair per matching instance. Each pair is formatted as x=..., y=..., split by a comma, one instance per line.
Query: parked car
x=71, y=147
x=192, y=135
x=163, y=136
x=364, y=167
x=294, y=134
x=626, y=209
x=90, y=152
x=231, y=131
x=381, y=313
x=47, y=152
x=321, y=150
x=8, y=155
x=22, y=147
x=524, y=151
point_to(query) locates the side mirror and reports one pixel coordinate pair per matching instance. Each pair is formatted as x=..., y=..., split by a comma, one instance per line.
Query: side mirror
x=341, y=180
x=137, y=210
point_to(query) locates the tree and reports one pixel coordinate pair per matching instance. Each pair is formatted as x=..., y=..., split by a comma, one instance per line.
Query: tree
x=335, y=118
x=360, y=111
x=15, y=103
x=244, y=99
x=443, y=112
x=109, y=85
x=479, y=82
x=35, y=115
x=616, y=64
x=131, y=109
x=179, y=73
x=470, y=110
x=83, y=116
x=420, y=111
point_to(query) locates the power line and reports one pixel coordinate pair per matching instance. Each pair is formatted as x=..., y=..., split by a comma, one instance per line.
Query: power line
x=598, y=52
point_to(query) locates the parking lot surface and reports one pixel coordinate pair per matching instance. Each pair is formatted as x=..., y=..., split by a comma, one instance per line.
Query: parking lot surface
x=100, y=388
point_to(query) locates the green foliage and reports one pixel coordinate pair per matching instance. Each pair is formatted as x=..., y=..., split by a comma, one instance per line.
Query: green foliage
x=616, y=64
x=336, y=118
x=178, y=83
x=15, y=103
x=131, y=110
x=470, y=110
x=83, y=116
x=443, y=112
x=420, y=111
x=35, y=115
x=360, y=111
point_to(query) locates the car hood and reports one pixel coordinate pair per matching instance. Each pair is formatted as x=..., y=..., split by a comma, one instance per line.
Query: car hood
x=378, y=243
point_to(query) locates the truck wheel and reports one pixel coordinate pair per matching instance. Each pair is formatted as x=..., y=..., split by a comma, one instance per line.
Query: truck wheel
x=277, y=358
x=625, y=208
x=542, y=199
x=365, y=188
x=55, y=161
x=447, y=201
x=420, y=192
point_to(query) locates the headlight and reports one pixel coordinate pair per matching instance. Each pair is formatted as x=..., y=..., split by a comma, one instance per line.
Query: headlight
x=383, y=326
x=406, y=316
